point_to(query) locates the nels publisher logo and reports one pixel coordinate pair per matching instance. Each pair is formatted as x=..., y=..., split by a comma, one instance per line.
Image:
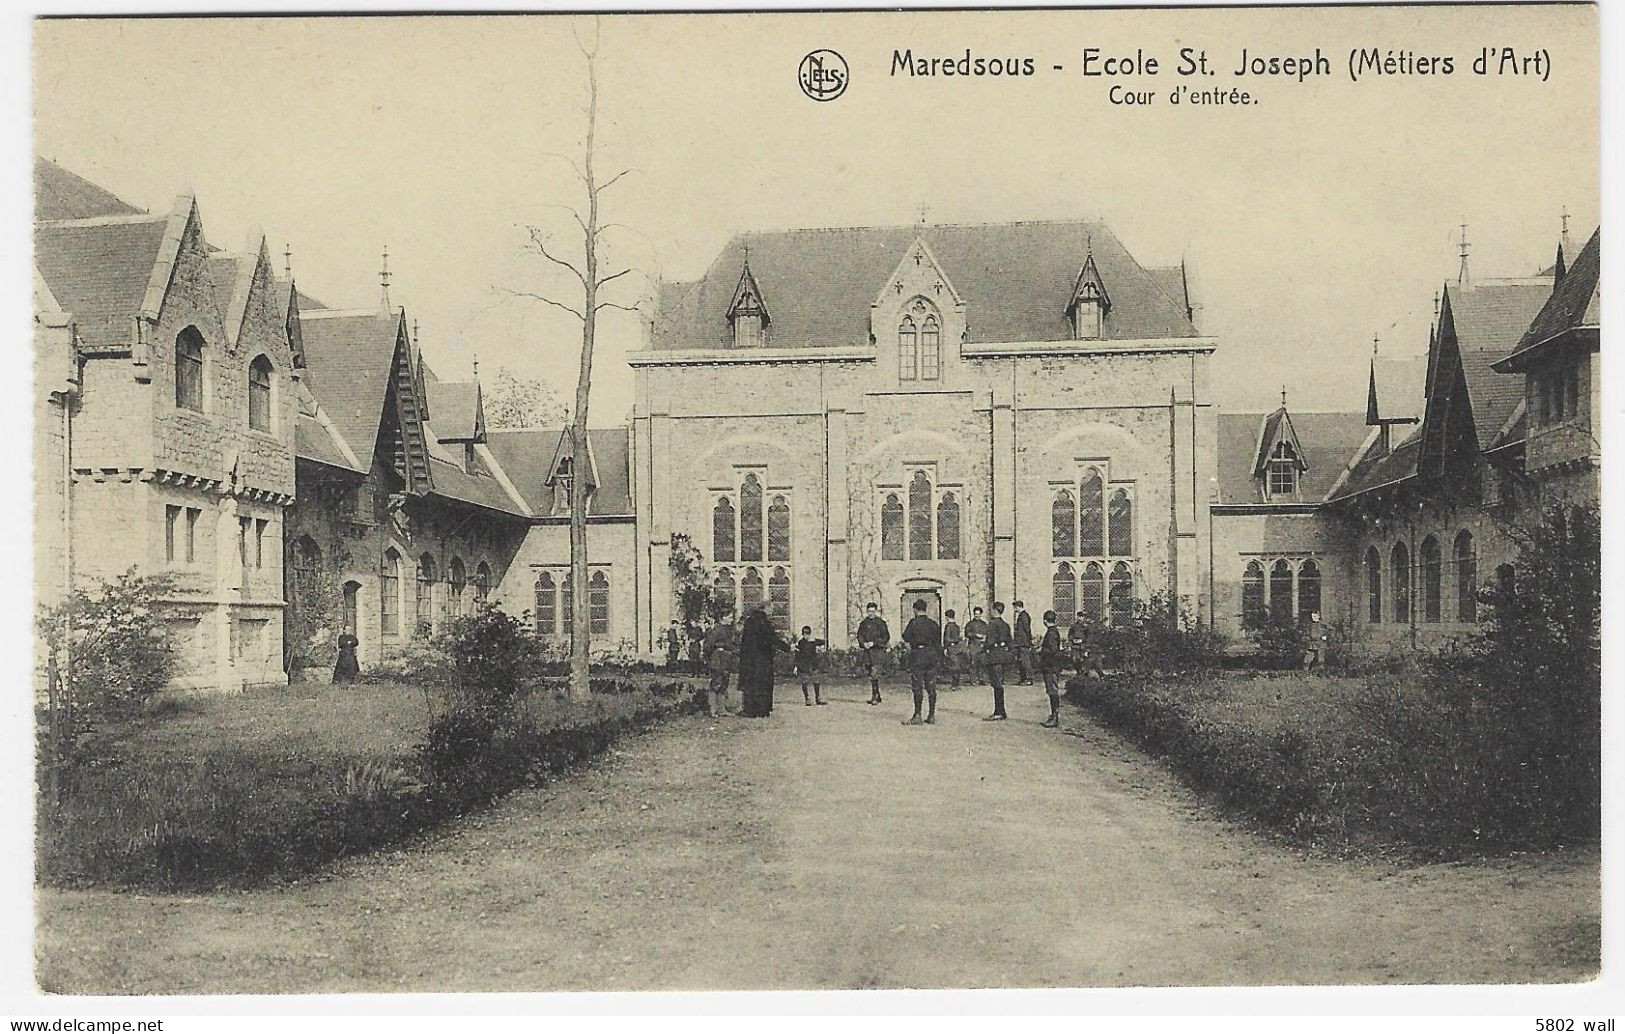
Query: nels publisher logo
x=823, y=75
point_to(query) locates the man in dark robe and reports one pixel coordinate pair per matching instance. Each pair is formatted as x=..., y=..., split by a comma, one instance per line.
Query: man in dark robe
x=924, y=639
x=757, y=644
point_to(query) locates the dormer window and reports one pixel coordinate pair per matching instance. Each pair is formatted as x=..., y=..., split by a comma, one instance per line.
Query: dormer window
x=1283, y=471
x=561, y=486
x=747, y=313
x=1089, y=303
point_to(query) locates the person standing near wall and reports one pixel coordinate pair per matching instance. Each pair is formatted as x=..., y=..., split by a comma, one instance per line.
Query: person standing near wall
x=924, y=639
x=721, y=646
x=873, y=638
x=998, y=657
x=806, y=654
x=953, y=648
x=1024, y=645
x=975, y=641
x=1051, y=659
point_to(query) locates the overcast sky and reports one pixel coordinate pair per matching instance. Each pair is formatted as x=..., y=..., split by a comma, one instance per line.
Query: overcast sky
x=1327, y=212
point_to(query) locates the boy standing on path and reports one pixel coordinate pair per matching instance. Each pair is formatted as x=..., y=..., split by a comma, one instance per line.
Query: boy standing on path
x=924, y=639
x=998, y=655
x=975, y=640
x=721, y=646
x=806, y=654
x=1024, y=644
x=953, y=647
x=873, y=637
x=1051, y=659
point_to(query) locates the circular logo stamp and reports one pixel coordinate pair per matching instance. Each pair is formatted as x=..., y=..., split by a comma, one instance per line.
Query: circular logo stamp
x=823, y=75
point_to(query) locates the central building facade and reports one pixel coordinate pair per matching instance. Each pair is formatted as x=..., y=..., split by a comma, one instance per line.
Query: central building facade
x=958, y=414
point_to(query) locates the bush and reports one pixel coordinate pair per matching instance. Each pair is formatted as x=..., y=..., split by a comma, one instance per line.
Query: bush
x=1281, y=641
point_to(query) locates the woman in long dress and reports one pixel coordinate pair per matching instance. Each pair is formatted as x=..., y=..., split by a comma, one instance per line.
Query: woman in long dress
x=757, y=643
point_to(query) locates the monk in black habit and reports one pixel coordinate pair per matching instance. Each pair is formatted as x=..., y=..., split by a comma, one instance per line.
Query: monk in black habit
x=757, y=643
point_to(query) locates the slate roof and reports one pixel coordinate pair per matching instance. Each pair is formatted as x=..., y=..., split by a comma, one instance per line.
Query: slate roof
x=1172, y=281
x=1575, y=302
x=453, y=407
x=1489, y=320
x=525, y=457
x=1016, y=280
x=1328, y=441
x=99, y=270
x=313, y=441
x=451, y=481
x=1374, y=471
x=348, y=360
x=59, y=194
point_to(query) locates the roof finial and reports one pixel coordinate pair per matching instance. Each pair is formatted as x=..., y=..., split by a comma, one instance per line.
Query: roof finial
x=1564, y=240
x=923, y=211
x=1461, y=275
x=1435, y=306
x=476, y=366
x=383, y=279
x=1374, y=342
x=287, y=261
x=414, y=330
x=1088, y=245
x=1283, y=396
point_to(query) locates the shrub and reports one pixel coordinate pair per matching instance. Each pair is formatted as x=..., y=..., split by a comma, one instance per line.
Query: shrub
x=1281, y=642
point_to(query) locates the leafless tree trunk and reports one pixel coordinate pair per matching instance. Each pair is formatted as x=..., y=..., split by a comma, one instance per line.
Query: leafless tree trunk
x=586, y=272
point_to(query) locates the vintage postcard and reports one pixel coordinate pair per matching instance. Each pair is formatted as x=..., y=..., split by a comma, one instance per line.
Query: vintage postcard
x=832, y=501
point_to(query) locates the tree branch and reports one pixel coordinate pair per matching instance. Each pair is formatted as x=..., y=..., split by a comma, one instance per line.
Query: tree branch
x=615, y=305
x=540, y=245
x=544, y=298
x=614, y=276
x=611, y=181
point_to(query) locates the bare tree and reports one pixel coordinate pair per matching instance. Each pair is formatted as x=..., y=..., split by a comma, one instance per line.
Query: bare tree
x=590, y=280
x=516, y=403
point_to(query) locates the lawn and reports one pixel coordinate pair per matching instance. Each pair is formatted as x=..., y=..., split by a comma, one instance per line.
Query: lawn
x=253, y=788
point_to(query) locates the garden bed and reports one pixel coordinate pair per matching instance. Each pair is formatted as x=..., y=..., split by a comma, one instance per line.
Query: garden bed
x=245, y=790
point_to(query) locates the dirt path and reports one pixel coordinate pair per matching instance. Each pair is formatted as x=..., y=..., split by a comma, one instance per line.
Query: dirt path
x=830, y=847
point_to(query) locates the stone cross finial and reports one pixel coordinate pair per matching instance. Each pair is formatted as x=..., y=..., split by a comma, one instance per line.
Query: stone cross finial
x=1283, y=396
x=1374, y=341
x=287, y=261
x=1461, y=275
x=383, y=279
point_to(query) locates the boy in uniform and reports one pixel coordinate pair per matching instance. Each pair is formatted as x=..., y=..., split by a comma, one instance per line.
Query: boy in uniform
x=997, y=653
x=975, y=640
x=806, y=654
x=953, y=647
x=924, y=639
x=721, y=647
x=1051, y=659
x=873, y=637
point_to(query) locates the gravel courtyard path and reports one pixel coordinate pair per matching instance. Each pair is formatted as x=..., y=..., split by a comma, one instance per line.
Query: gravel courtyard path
x=831, y=847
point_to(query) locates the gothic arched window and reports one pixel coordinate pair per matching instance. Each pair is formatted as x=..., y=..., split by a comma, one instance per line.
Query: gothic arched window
x=547, y=604
x=1121, y=595
x=930, y=350
x=948, y=527
x=1064, y=597
x=389, y=593
x=1400, y=564
x=456, y=582
x=750, y=518
x=1432, y=580
x=189, y=370
x=908, y=350
x=722, y=531
x=598, y=604
x=1063, y=519
x=425, y=598
x=1308, y=590
x=778, y=529
x=1252, y=595
x=750, y=591
x=1466, y=563
x=919, y=517
x=778, y=600
x=259, y=394
x=1120, y=524
x=1091, y=526
x=1281, y=591
x=1373, y=585
x=891, y=528
x=1093, y=591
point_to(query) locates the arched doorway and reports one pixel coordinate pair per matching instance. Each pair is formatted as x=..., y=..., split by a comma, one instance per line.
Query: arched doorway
x=933, y=604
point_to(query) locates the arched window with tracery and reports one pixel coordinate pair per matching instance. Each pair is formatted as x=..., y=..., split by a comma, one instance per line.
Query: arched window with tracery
x=1091, y=504
x=425, y=597
x=1252, y=595
x=1092, y=591
x=1283, y=470
x=750, y=518
x=547, y=605
x=1373, y=585
x=1432, y=580
x=891, y=528
x=726, y=596
x=1281, y=591
x=189, y=370
x=722, y=531
x=1121, y=593
x=456, y=582
x=948, y=527
x=259, y=394
x=1120, y=524
x=1465, y=556
x=919, y=517
x=1064, y=594
x=778, y=529
x=1400, y=574
x=598, y=604
x=930, y=350
x=1063, y=519
x=908, y=350
x=778, y=600
x=1308, y=590
x=750, y=591
x=389, y=593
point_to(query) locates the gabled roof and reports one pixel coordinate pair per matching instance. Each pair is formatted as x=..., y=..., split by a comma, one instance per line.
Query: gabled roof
x=747, y=299
x=1326, y=443
x=1016, y=280
x=1173, y=282
x=1089, y=278
x=1487, y=321
x=316, y=440
x=455, y=408
x=527, y=458
x=451, y=481
x=349, y=357
x=59, y=194
x=100, y=271
x=1574, y=303
x=1376, y=469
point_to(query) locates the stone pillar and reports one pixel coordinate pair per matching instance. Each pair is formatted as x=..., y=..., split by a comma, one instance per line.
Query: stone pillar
x=837, y=555
x=1003, y=502
x=658, y=529
x=228, y=586
x=642, y=501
